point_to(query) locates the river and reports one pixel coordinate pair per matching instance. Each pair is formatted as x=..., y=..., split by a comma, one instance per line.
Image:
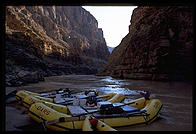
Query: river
x=176, y=114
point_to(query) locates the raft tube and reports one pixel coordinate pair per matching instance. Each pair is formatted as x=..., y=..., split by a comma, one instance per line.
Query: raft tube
x=29, y=100
x=151, y=107
x=20, y=95
x=41, y=113
x=148, y=113
x=44, y=98
x=100, y=126
x=86, y=126
x=107, y=96
x=117, y=98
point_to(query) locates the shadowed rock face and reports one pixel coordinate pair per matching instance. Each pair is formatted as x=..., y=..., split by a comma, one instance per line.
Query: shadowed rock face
x=159, y=46
x=54, y=40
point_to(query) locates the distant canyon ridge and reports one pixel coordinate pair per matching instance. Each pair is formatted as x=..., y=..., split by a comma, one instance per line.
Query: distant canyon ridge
x=159, y=45
x=110, y=49
x=53, y=40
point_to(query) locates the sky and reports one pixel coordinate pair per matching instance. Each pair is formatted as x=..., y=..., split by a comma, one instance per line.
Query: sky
x=114, y=21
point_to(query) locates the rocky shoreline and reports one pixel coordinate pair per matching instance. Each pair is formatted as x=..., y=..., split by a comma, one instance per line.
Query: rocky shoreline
x=21, y=77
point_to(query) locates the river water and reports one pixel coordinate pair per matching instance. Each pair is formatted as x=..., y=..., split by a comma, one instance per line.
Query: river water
x=176, y=114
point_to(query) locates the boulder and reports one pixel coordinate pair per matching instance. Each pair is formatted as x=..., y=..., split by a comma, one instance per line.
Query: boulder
x=23, y=77
x=30, y=77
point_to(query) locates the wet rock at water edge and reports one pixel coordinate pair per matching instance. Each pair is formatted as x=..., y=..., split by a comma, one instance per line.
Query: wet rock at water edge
x=23, y=78
x=30, y=77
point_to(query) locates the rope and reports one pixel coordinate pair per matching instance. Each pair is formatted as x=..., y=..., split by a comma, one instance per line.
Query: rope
x=73, y=125
x=43, y=124
x=145, y=117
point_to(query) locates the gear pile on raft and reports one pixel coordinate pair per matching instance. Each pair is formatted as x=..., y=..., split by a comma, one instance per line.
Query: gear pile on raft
x=62, y=109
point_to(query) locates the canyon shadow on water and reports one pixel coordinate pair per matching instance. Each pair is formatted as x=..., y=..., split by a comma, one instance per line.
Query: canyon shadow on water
x=176, y=114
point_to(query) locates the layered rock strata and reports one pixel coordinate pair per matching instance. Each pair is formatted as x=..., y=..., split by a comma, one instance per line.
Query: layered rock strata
x=159, y=46
x=54, y=40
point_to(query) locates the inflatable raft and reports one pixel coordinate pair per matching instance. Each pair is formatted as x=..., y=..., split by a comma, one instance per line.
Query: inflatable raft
x=93, y=124
x=28, y=98
x=139, y=111
x=21, y=94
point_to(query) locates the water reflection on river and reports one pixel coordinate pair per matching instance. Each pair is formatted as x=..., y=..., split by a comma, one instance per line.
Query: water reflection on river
x=176, y=113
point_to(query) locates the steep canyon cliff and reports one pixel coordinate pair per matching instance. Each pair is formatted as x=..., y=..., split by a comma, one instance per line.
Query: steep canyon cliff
x=53, y=40
x=159, y=45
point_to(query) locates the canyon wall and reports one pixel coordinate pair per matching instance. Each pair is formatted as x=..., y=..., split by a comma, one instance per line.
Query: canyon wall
x=159, y=45
x=53, y=40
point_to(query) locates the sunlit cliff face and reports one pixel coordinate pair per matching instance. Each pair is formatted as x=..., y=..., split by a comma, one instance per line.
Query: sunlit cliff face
x=67, y=34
